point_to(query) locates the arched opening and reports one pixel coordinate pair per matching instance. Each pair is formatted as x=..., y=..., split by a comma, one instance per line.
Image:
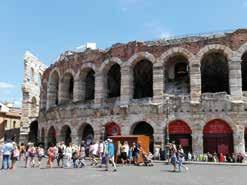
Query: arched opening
x=143, y=128
x=53, y=89
x=244, y=73
x=114, y=81
x=66, y=135
x=33, y=133
x=89, y=85
x=112, y=129
x=86, y=134
x=215, y=73
x=180, y=133
x=177, y=79
x=143, y=79
x=67, y=88
x=51, y=136
x=34, y=107
x=217, y=137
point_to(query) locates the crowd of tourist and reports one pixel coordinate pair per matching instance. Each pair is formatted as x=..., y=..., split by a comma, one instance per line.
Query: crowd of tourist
x=99, y=154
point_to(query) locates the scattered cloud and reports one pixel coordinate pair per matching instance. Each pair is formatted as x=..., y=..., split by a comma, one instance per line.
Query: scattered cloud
x=157, y=30
x=4, y=85
x=129, y=4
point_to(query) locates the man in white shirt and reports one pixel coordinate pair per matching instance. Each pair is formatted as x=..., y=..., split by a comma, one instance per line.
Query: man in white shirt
x=6, y=152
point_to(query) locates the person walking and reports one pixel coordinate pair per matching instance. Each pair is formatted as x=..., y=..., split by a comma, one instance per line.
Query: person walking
x=40, y=154
x=173, y=152
x=60, y=154
x=68, y=155
x=51, y=156
x=180, y=160
x=110, y=155
x=31, y=154
x=15, y=155
x=6, y=152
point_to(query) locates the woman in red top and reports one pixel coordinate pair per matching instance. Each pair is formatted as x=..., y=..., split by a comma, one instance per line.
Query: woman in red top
x=51, y=156
x=222, y=158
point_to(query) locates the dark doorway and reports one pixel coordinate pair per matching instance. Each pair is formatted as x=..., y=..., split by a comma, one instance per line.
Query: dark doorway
x=215, y=73
x=143, y=128
x=90, y=85
x=143, y=79
x=33, y=133
x=244, y=72
x=66, y=135
x=51, y=137
x=114, y=81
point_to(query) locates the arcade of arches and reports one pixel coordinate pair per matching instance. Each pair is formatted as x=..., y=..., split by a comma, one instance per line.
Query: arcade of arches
x=217, y=135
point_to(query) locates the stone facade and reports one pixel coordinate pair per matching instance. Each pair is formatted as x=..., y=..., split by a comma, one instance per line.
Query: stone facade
x=33, y=71
x=63, y=103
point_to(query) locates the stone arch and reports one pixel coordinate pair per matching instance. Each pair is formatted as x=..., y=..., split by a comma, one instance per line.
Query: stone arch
x=112, y=129
x=66, y=93
x=214, y=61
x=144, y=128
x=53, y=88
x=181, y=133
x=218, y=137
x=244, y=71
x=65, y=134
x=86, y=83
x=242, y=50
x=174, y=52
x=215, y=48
x=86, y=133
x=143, y=79
x=51, y=136
x=137, y=57
x=110, y=71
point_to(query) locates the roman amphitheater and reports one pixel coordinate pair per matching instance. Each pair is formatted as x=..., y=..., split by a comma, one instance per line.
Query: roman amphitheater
x=190, y=90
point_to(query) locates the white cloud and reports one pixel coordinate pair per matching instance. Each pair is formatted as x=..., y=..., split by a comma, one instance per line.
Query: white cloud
x=157, y=30
x=4, y=85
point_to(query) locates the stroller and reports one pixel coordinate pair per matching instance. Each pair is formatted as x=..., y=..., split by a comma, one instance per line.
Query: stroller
x=148, y=159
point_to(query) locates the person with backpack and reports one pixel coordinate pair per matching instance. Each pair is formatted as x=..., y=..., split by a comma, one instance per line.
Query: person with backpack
x=180, y=157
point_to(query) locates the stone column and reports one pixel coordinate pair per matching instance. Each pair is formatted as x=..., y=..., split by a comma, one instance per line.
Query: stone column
x=126, y=84
x=235, y=79
x=197, y=142
x=158, y=83
x=195, y=82
x=61, y=99
x=238, y=139
x=99, y=89
x=77, y=91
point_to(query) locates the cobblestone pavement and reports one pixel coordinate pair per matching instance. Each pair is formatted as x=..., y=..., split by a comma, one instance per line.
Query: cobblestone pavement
x=160, y=174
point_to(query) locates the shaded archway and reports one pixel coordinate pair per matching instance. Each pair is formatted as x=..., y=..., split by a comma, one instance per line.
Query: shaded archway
x=66, y=135
x=143, y=79
x=112, y=129
x=218, y=137
x=51, y=136
x=180, y=133
x=86, y=133
x=143, y=128
x=244, y=72
x=33, y=133
x=52, y=91
x=215, y=73
x=177, y=79
x=67, y=88
x=114, y=81
x=90, y=85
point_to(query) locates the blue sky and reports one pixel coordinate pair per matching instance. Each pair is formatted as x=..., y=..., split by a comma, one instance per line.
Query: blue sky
x=49, y=27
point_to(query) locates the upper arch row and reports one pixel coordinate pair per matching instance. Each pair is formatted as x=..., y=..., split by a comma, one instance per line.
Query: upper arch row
x=193, y=59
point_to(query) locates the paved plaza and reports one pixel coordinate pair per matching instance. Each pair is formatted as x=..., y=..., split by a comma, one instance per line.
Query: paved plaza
x=160, y=174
